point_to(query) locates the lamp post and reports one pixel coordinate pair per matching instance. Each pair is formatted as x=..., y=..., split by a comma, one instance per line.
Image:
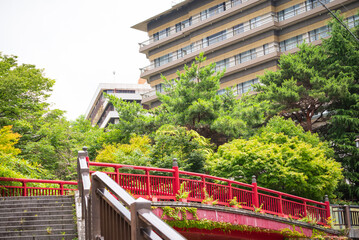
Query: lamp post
x=357, y=141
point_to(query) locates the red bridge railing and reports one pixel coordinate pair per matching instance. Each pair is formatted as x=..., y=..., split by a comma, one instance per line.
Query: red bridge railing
x=163, y=184
x=34, y=187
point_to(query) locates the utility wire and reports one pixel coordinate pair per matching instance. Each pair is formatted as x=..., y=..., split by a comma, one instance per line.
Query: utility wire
x=339, y=21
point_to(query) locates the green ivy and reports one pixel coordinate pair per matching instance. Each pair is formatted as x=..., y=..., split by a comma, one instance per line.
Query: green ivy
x=181, y=221
x=174, y=212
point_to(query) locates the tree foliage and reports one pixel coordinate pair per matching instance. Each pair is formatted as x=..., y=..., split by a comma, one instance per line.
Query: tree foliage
x=343, y=58
x=187, y=146
x=303, y=88
x=11, y=165
x=282, y=157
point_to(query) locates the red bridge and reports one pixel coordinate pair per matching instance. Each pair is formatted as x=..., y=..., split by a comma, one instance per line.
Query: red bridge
x=263, y=212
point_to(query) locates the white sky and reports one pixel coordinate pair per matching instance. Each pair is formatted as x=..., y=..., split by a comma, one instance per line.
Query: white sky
x=79, y=43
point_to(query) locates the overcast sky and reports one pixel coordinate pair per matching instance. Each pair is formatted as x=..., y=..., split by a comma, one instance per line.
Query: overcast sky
x=79, y=43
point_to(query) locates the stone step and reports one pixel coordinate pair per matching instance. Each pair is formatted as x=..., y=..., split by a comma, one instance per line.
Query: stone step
x=26, y=205
x=16, y=228
x=42, y=237
x=38, y=210
x=25, y=222
x=26, y=200
x=47, y=230
x=35, y=213
x=36, y=218
x=36, y=197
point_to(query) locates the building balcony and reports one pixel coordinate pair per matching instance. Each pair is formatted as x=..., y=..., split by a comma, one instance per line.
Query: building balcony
x=196, y=22
x=232, y=65
x=266, y=23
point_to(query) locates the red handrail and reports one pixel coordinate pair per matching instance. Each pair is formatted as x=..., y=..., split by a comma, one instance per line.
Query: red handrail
x=24, y=190
x=155, y=186
x=165, y=187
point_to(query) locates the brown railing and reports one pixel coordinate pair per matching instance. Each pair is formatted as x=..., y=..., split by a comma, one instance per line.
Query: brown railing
x=346, y=215
x=105, y=209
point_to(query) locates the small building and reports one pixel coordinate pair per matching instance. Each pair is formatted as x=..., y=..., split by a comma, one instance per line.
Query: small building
x=101, y=112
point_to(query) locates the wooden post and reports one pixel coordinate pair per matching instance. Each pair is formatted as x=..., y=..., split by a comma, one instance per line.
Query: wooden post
x=95, y=208
x=348, y=224
x=176, y=182
x=86, y=156
x=255, y=200
x=136, y=224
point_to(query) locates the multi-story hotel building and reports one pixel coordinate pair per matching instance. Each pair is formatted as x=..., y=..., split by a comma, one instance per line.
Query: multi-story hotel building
x=101, y=111
x=244, y=36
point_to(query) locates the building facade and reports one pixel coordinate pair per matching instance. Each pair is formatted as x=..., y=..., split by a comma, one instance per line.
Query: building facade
x=244, y=36
x=101, y=112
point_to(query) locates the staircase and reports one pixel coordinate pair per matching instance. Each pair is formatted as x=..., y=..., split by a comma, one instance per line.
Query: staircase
x=38, y=218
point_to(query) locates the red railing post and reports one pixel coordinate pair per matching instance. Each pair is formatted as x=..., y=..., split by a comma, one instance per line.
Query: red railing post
x=176, y=182
x=204, y=186
x=230, y=192
x=61, y=189
x=305, y=208
x=117, y=175
x=255, y=200
x=327, y=206
x=24, y=191
x=148, y=183
x=280, y=206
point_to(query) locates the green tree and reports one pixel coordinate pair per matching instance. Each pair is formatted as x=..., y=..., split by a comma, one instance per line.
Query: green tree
x=133, y=119
x=192, y=101
x=302, y=87
x=282, y=157
x=58, y=141
x=343, y=58
x=137, y=152
x=187, y=146
x=23, y=91
x=11, y=165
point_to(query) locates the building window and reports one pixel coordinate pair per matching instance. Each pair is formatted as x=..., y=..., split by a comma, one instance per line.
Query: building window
x=221, y=92
x=238, y=29
x=184, y=51
x=353, y=21
x=213, y=11
x=161, y=34
x=183, y=24
x=289, y=12
x=246, y=56
x=222, y=65
x=319, y=33
x=246, y=86
x=310, y=4
x=235, y=2
x=255, y=22
x=265, y=49
x=214, y=38
x=163, y=60
x=125, y=91
x=290, y=43
x=159, y=88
